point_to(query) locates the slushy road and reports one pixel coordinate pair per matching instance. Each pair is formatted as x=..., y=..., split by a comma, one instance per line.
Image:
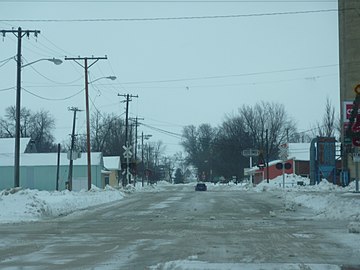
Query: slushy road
x=152, y=228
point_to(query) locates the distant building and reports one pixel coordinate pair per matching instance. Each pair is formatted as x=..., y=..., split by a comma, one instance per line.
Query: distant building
x=39, y=171
x=349, y=69
x=112, y=170
x=299, y=159
x=7, y=145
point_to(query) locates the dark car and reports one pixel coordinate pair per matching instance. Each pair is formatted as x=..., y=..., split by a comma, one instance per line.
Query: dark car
x=200, y=187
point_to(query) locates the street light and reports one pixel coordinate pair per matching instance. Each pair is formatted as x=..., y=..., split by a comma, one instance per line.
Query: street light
x=17, y=114
x=53, y=60
x=113, y=78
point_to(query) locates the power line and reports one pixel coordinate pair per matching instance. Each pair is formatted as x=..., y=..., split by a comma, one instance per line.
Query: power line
x=171, y=1
x=230, y=76
x=172, y=134
x=174, y=18
x=5, y=61
x=51, y=99
x=7, y=89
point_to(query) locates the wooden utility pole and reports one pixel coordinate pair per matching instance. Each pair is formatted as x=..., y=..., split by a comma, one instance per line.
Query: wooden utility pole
x=136, y=119
x=86, y=67
x=126, y=178
x=74, y=109
x=19, y=33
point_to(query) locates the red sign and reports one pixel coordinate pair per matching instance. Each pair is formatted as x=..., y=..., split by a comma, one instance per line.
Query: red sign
x=356, y=141
x=356, y=125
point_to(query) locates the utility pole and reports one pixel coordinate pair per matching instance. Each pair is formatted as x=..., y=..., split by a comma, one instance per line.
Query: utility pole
x=126, y=178
x=86, y=67
x=267, y=155
x=146, y=137
x=136, y=137
x=142, y=159
x=19, y=33
x=74, y=109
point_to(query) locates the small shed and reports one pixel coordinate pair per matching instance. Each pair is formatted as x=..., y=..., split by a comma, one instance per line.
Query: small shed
x=111, y=172
x=39, y=171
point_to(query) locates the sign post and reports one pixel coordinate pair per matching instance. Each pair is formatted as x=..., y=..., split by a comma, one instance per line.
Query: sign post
x=356, y=160
x=127, y=154
x=250, y=153
x=284, y=154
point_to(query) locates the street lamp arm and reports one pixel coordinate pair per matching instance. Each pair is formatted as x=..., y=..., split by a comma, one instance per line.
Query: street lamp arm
x=54, y=60
x=108, y=77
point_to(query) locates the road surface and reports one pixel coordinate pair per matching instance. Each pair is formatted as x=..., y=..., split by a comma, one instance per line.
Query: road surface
x=146, y=230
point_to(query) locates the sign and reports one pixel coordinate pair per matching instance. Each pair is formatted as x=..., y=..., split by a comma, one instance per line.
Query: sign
x=284, y=151
x=348, y=106
x=250, y=153
x=248, y=171
x=357, y=89
x=356, y=141
x=127, y=153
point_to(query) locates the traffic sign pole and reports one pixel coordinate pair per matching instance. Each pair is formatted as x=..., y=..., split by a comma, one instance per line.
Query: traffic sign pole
x=250, y=153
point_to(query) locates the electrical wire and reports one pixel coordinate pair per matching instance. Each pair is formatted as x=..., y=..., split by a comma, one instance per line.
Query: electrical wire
x=174, y=18
x=172, y=134
x=51, y=80
x=5, y=61
x=230, y=76
x=7, y=89
x=53, y=99
x=171, y=1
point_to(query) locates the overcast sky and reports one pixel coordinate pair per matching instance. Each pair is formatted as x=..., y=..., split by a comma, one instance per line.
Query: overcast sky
x=190, y=62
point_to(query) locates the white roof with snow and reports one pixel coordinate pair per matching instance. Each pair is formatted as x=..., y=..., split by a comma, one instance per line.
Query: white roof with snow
x=112, y=163
x=48, y=159
x=7, y=145
x=299, y=151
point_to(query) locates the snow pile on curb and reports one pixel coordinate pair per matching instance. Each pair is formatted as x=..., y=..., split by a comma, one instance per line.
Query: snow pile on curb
x=19, y=205
x=327, y=200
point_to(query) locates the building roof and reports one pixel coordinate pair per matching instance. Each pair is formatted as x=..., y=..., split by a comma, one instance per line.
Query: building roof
x=49, y=159
x=299, y=151
x=7, y=145
x=112, y=163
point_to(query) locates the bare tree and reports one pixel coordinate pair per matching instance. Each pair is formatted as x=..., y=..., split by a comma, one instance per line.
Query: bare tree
x=271, y=119
x=199, y=145
x=39, y=126
x=328, y=126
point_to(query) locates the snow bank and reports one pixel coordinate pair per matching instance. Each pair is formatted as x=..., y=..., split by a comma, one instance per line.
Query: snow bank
x=326, y=199
x=19, y=205
x=199, y=265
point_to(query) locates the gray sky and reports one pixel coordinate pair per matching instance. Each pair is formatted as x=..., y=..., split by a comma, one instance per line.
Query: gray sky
x=186, y=69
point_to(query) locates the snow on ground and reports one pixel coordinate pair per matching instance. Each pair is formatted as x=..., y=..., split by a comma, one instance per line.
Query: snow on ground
x=24, y=205
x=326, y=199
x=199, y=265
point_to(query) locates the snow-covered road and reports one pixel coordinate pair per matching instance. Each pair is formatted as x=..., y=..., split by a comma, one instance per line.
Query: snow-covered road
x=174, y=227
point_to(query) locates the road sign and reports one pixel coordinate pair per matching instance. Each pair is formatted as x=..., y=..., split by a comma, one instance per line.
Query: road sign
x=250, y=153
x=284, y=151
x=357, y=89
x=127, y=153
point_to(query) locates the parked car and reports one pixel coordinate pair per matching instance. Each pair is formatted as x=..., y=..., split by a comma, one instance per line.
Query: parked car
x=200, y=187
